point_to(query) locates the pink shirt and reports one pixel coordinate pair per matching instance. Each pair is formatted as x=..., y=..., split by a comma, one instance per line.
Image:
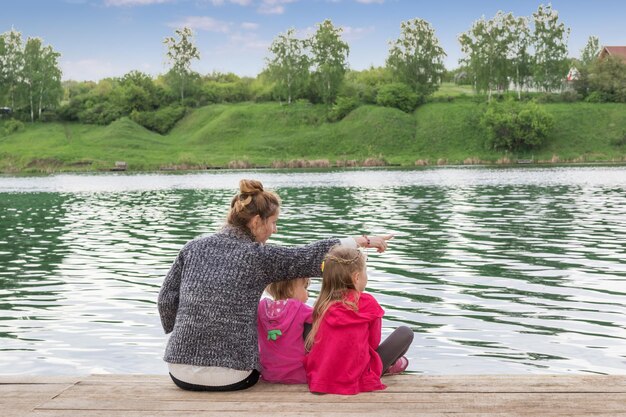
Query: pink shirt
x=343, y=358
x=281, y=344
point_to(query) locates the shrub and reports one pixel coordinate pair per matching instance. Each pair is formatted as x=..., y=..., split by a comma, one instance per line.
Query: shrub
x=11, y=126
x=597, y=97
x=398, y=95
x=514, y=126
x=342, y=107
x=160, y=121
x=100, y=113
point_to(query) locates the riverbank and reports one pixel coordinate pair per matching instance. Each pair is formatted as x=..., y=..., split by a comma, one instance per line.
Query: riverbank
x=433, y=396
x=249, y=135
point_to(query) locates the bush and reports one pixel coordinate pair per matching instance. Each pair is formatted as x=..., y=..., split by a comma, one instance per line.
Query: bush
x=160, y=121
x=342, y=107
x=515, y=126
x=100, y=113
x=11, y=126
x=597, y=97
x=398, y=95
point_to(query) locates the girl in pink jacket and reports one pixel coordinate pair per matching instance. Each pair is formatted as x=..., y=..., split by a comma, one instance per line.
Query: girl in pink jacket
x=345, y=354
x=281, y=324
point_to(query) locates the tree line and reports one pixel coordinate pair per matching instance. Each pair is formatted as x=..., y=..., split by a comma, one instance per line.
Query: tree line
x=500, y=53
x=30, y=77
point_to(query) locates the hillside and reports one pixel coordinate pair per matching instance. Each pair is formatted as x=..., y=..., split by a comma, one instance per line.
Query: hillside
x=259, y=134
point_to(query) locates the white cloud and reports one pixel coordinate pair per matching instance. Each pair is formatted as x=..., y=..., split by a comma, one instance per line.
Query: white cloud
x=117, y=3
x=206, y=23
x=273, y=6
x=352, y=33
x=239, y=2
x=248, y=42
x=249, y=26
x=370, y=1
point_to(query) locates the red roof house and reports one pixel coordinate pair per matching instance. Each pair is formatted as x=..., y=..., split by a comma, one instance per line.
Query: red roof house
x=616, y=51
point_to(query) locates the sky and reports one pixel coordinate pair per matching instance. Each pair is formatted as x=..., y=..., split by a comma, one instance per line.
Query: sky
x=109, y=38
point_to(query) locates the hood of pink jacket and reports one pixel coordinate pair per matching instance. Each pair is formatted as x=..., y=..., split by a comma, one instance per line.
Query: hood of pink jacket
x=343, y=315
x=279, y=314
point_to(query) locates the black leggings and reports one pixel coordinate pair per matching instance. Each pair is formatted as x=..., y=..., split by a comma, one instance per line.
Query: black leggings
x=395, y=346
x=252, y=379
x=391, y=349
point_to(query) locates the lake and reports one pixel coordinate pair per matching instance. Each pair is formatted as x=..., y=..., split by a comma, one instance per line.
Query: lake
x=497, y=270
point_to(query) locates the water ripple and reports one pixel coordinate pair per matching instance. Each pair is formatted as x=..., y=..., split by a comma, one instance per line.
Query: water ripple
x=496, y=271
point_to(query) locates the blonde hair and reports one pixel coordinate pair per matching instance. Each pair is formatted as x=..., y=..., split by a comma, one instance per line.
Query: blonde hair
x=340, y=264
x=251, y=200
x=283, y=290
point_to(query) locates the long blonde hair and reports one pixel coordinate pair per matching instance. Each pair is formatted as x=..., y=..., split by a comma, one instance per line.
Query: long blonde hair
x=340, y=264
x=250, y=201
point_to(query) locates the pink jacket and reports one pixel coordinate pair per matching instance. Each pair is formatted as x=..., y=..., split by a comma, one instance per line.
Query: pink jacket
x=281, y=344
x=343, y=359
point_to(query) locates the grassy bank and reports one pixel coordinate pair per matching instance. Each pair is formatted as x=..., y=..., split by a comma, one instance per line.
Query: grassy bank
x=268, y=133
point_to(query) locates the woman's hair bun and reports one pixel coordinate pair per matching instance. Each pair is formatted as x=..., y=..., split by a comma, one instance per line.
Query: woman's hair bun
x=250, y=187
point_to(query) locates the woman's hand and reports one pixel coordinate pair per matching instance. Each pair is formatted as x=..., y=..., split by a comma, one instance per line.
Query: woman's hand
x=375, y=241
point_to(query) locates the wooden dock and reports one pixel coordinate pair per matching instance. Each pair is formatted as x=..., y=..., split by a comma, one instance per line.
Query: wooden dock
x=406, y=395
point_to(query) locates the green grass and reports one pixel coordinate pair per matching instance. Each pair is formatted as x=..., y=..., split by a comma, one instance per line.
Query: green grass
x=260, y=134
x=453, y=90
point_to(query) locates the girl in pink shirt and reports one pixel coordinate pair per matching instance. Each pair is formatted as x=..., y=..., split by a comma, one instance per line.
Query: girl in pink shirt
x=345, y=354
x=281, y=323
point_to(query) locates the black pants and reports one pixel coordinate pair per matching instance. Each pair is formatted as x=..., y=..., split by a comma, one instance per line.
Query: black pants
x=395, y=346
x=252, y=379
x=391, y=349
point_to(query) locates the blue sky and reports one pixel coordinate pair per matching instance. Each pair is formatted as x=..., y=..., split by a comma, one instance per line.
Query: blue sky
x=102, y=38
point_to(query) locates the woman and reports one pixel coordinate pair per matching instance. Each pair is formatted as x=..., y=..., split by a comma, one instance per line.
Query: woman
x=209, y=297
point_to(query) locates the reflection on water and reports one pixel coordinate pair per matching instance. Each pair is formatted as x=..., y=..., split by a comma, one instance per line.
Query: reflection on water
x=496, y=271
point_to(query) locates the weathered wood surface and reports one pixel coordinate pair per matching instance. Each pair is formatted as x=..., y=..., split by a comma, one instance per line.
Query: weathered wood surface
x=410, y=395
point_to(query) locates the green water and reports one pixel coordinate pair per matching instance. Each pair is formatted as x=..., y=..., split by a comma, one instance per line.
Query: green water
x=495, y=270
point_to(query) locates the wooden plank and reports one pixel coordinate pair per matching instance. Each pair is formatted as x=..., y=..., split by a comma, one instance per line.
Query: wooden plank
x=17, y=400
x=436, y=402
x=39, y=379
x=427, y=396
x=15, y=391
x=411, y=383
x=295, y=413
x=173, y=393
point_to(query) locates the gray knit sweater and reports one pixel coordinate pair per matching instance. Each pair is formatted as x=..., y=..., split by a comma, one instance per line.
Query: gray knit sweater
x=209, y=297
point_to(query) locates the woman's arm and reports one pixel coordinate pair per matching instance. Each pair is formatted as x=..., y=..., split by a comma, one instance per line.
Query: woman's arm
x=169, y=295
x=282, y=262
x=375, y=241
x=289, y=262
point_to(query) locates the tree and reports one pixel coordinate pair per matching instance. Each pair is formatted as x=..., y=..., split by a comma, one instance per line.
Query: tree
x=485, y=53
x=416, y=58
x=589, y=54
x=41, y=76
x=329, y=58
x=11, y=64
x=519, y=50
x=289, y=65
x=550, y=41
x=492, y=49
x=608, y=81
x=180, y=53
x=137, y=92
